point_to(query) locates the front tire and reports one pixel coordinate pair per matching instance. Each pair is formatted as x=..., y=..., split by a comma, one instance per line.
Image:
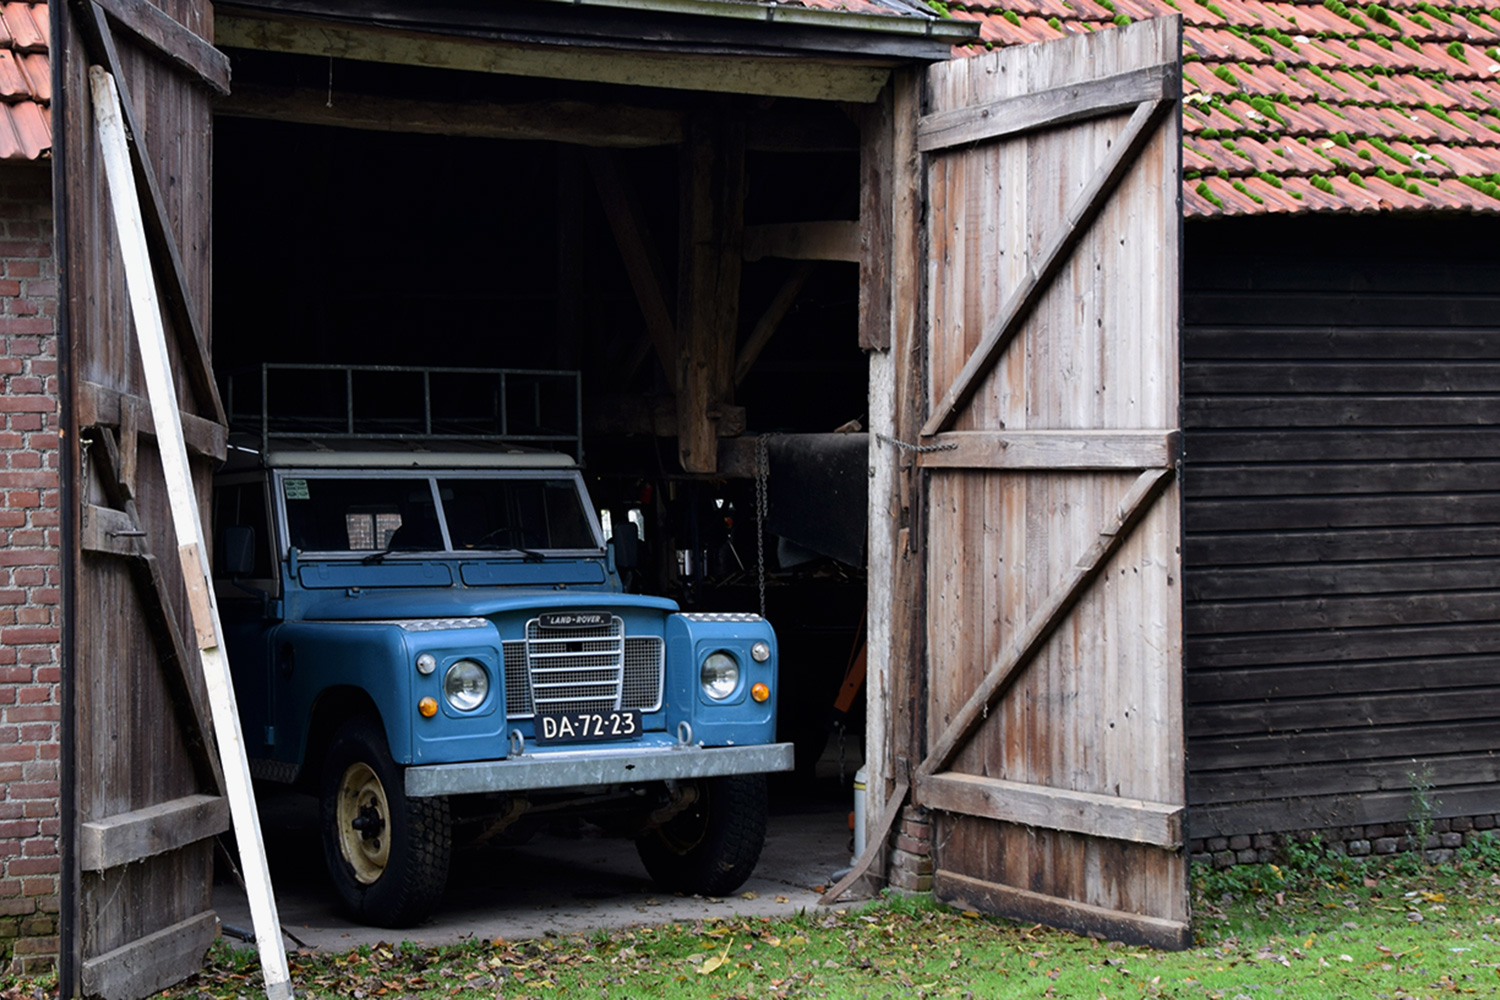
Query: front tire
x=711, y=847
x=387, y=854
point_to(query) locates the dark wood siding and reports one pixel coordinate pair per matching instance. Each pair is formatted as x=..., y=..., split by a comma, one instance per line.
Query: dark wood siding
x=1342, y=513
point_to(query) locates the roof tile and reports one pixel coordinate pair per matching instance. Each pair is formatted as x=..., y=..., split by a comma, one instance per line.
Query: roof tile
x=25, y=82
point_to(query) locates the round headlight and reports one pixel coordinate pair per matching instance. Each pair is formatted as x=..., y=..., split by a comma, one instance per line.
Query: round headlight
x=720, y=675
x=465, y=685
x=426, y=664
x=760, y=652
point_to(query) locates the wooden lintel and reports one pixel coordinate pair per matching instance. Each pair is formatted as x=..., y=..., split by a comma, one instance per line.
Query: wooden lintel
x=654, y=415
x=1015, y=658
x=152, y=963
x=192, y=341
x=627, y=221
x=578, y=122
x=171, y=40
x=770, y=320
x=1051, y=450
x=1058, y=247
x=144, y=833
x=1137, y=820
x=718, y=73
x=967, y=893
x=836, y=240
x=1047, y=108
x=99, y=405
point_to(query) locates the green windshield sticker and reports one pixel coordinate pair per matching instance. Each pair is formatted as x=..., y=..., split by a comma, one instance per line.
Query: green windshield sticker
x=295, y=489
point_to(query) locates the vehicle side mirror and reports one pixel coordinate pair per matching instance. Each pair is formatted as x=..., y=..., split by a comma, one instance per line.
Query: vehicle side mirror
x=239, y=550
x=627, y=546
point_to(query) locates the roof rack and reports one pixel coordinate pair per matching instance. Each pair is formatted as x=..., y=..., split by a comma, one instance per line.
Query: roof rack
x=318, y=402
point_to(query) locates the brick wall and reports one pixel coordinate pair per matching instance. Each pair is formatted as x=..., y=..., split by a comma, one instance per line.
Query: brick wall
x=29, y=572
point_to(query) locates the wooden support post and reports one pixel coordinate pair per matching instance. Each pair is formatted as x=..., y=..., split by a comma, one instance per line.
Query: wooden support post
x=156, y=366
x=712, y=180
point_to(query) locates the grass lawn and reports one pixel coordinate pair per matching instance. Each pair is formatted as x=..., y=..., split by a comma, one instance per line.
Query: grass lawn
x=1321, y=926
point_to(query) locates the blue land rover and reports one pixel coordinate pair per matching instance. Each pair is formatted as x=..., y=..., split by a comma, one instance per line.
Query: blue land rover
x=431, y=634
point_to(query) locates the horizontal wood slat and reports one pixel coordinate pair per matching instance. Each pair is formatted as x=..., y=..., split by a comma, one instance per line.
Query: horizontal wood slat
x=108, y=531
x=1322, y=812
x=149, y=964
x=1346, y=777
x=1074, y=450
x=1353, y=744
x=1312, y=680
x=1327, y=445
x=1205, y=551
x=1345, y=711
x=1340, y=645
x=169, y=39
x=1058, y=247
x=969, y=893
x=837, y=240
x=1110, y=816
x=144, y=833
x=1047, y=108
x=99, y=404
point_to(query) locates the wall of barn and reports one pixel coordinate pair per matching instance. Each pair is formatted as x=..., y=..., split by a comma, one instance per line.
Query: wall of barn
x=30, y=613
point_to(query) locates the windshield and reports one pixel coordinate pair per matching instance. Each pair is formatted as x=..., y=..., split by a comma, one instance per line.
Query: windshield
x=364, y=514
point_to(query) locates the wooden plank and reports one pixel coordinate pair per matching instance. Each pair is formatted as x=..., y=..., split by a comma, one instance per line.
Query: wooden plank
x=1340, y=337
x=1419, y=704
x=711, y=222
x=1354, y=444
x=874, y=845
x=1047, y=108
x=580, y=123
x=1041, y=624
x=1341, y=645
x=1369, y=742
x=1205, y=550
x=156, y=365
x=1292, y=513
x=1346, y=410
x=1343, y=778
x=968, y=893
x=1058, y=247
x=838, y=240
x=822, y=80
x=1227, y=378
x=638, y=252
x=1340, y=310
x=1089, y=450
x=153, y=962
x=770, y=320
x=1136, y=820
x=100, y=405
x=165, y=36
x=191, y=338
x=108, y=531
x=1324, y=812
x=876, y=190
x=1348, y=477
x=1322, y=580
x=1323, y=611
x=1312, y=680
x=143, y=833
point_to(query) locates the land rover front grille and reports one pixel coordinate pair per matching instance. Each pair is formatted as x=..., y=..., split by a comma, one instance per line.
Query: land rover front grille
x=595, y=669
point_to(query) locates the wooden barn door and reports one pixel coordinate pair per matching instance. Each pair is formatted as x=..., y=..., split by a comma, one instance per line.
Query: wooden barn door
x=146, y=789
x=1054, y=757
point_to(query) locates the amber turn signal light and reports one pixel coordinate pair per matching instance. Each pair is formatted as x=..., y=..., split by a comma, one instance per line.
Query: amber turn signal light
x=760, y=692
x=428, y=707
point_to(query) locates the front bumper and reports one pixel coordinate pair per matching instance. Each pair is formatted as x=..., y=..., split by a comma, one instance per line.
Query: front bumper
x=604, y=766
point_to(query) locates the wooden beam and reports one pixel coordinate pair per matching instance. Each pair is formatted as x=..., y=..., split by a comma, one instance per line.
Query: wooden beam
x=1048, y=108
x=770, y=320
x=1076, y=450
x=874, y=845
x=107, y=531
x=192, y=339
x=838, y=240
x=143, y=833
x=156, y=366
x=579, y=123
x=1136, y=820
x=1014, y=660
x=711, y=221
x=968, y=893
x=166, y=37
x=876, y=190
x=1059, y=246
x=99, y=405
x=150, y=964
x=638, y=252
x=855, y=81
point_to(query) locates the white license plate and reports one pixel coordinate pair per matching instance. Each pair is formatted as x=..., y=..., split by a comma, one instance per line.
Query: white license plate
x=588, y=727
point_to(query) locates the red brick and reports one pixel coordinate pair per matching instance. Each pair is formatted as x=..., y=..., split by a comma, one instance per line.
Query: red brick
x=18, y=829
x=17, y=907
x=33, y=790
x=29, y=636
x=15, y=752
x=38, y=887
x=41, y=847
x=40, y=808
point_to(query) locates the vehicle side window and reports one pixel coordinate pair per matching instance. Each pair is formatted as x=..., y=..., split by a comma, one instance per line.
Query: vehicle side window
x=242, y=505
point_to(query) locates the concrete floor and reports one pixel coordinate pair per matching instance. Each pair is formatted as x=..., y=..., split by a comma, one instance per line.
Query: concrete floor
x=555, y=884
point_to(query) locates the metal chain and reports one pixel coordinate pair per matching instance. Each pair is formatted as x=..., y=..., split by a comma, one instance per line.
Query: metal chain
x=920, y=449
x=762, y=472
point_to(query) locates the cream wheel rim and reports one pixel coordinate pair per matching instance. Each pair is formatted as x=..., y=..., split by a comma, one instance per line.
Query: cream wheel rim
x=363, y=822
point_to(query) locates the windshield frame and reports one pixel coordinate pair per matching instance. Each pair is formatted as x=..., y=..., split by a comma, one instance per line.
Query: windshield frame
x=432, y=475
